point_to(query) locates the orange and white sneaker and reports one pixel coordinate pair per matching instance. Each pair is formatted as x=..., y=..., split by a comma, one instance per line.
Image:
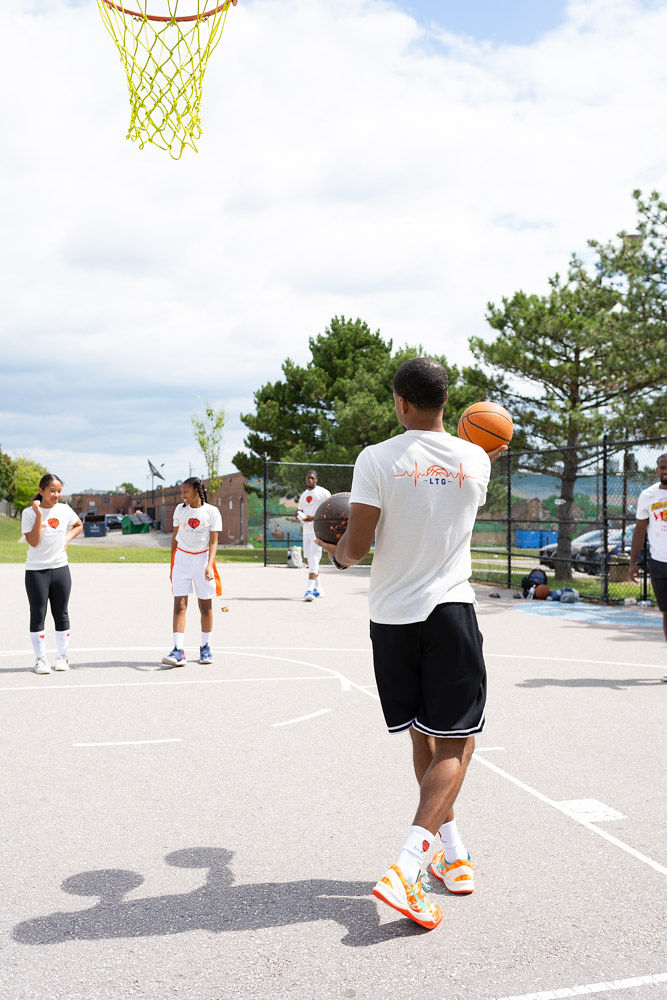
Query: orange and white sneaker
x=408, y=898
x=458, y=877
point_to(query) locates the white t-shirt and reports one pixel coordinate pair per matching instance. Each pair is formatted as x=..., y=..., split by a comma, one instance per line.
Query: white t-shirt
x=652, y=504
x=195, y=525
x=56, y=522
x=428, y=486
x=308, y=503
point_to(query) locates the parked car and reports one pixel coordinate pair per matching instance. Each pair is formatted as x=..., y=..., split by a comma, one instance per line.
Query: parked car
x=114, y=521
x=548, y=552
x=591, y=555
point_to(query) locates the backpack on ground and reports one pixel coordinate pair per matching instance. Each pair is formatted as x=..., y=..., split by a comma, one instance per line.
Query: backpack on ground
x=534, y=578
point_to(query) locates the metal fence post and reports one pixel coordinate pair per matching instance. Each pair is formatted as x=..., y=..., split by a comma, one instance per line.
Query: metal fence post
x=266, y=519
x=605, y=527
x=508, y=476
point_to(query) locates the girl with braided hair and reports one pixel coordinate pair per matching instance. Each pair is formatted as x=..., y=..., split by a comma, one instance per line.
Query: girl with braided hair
x=194, y=544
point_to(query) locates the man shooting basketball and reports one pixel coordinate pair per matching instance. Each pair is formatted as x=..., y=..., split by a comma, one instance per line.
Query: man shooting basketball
x=418, y=495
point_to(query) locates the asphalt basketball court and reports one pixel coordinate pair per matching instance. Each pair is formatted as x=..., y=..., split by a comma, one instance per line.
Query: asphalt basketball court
x=215, y=831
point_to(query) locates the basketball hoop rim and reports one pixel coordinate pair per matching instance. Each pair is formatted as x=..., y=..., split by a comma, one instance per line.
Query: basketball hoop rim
x=155, y=17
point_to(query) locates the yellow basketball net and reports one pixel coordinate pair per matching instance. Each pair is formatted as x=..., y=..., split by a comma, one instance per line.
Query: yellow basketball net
x=165, y=56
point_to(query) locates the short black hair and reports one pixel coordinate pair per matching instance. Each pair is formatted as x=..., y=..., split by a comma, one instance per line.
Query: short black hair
x=423, y=382
x=661, y=458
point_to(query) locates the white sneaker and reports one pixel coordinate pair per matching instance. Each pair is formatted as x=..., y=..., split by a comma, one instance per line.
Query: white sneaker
x=309, y=595
x=42, y=665
x=61, y=663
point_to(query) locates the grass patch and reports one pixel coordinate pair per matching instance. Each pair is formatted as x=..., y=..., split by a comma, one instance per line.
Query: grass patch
x=11, y=551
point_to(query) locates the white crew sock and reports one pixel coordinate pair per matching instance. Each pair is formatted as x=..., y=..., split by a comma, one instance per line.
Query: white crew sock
x=455, y=849
x=206, y=638
x=415, y=849
x=38, y=641
x=316, y=583
x=178, y=640
x=62, y=643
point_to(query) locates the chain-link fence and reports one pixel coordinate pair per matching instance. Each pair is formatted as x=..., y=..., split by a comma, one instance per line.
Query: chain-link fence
x=569, y=510
x=283, y=484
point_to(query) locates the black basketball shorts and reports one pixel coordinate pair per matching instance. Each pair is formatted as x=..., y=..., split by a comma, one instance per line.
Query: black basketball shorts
x=658, y=573
x=431, y=674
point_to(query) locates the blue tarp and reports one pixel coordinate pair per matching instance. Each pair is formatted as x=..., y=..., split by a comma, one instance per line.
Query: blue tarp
x=534, y=539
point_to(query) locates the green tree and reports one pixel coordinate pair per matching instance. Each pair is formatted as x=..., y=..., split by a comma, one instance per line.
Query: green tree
x=129, y=488
x=208, y=435
x=588, y=357
x=24, y=489
x=7, y=475
x=341, y=400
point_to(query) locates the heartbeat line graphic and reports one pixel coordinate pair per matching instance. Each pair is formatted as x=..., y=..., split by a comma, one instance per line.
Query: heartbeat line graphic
x=434, y=471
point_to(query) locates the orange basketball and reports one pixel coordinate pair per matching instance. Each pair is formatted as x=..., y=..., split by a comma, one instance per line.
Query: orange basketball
x=542, y=591
x=487, y=424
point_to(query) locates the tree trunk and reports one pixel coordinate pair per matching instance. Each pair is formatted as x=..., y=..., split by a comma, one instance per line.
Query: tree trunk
x=563, y=558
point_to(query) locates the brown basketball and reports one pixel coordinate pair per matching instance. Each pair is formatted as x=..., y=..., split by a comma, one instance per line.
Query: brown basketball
x=487, y=424
x=541, y=592
x=331, y=518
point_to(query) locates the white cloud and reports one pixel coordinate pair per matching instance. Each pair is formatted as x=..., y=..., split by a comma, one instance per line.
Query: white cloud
x=351, y=162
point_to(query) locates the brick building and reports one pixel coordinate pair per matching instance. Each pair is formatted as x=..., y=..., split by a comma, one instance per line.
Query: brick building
x=230, y=498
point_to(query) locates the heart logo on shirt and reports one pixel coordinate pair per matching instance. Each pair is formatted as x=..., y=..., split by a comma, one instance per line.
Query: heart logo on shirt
x=53, y=522
x=309, y=499
x=194, y=522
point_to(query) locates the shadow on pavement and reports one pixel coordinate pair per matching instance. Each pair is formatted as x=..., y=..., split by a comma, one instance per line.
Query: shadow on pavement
x=619, y=684
x=217, y=906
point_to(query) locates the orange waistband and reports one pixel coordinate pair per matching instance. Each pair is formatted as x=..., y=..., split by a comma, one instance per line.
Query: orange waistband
x=188, y=552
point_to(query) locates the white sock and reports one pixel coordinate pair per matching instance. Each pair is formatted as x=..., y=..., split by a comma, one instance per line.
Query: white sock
x=455, y=849
x=415, y=849
x=38, y=641
x=62, y=643
x=178, y=640
x=316, y=583
x=206, y=638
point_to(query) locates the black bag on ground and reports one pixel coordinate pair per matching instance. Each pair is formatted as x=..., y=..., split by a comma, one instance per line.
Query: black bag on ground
x=535, y=577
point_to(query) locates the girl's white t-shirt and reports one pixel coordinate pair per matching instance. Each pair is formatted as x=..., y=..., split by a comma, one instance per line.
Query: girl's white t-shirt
x=56, y=522
x=428, y=486
x=195, y=525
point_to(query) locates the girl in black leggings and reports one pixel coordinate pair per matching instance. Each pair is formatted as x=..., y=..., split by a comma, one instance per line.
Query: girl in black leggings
x=49, y=526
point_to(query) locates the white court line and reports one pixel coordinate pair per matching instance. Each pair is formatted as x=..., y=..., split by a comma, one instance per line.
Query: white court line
x=342, y=649
x=582, y=822
x=577, y=991
x=126, y=743
x=478, y=749
x=125, y=684
x=302, y=718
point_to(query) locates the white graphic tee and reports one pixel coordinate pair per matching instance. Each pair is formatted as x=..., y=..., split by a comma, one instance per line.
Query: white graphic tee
x=195, y=525
x=652, y=504
x=308, y=503
x=56, y=522
x=428, y=486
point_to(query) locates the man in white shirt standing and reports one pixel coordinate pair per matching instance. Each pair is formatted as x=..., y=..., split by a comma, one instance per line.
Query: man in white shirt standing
x=652, y=519
x=418, y=494
x=309, y=501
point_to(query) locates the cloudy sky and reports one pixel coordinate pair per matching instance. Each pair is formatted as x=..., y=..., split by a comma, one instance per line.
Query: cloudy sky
x=404, y=162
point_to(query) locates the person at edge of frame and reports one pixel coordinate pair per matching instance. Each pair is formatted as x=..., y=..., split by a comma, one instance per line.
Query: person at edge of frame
x=418, y=494
x=651, y=520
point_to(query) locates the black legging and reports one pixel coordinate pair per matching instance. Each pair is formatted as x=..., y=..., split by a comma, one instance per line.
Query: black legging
x=44, y=585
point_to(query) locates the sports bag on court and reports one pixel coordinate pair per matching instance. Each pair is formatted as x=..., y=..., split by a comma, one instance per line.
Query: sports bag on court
x=535, y=577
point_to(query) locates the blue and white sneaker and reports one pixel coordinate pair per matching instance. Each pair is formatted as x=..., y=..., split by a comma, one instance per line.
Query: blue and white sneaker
x=317, y=592
x=310, y=595
x=175, y=659
x=205, y=655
